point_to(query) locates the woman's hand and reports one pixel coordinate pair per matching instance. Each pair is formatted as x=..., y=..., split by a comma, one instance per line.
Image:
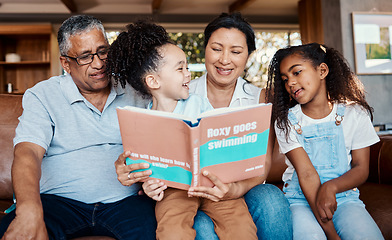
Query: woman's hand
x=154, y=189
x=124, y=171
x=220, y=191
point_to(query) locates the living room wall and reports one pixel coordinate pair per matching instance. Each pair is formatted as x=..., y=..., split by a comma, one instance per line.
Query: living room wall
x=337, y=24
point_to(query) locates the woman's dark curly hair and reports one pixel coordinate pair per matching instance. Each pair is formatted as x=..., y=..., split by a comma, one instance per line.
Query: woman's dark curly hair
x=342, y=84
x=134, y=54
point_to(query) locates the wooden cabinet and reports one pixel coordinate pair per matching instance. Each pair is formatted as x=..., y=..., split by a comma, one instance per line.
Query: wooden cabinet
x=37, y=47
x=310, y=21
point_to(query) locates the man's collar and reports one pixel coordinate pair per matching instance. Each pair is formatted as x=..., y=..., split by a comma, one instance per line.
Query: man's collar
x=72, y=94
x=69, y=89
x=117, y=88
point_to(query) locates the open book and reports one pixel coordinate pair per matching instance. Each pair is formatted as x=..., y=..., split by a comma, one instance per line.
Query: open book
x=228, y=142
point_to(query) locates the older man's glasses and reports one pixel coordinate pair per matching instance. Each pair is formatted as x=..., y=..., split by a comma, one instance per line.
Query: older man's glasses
x=89, y=58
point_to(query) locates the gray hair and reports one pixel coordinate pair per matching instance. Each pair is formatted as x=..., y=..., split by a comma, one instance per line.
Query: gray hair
x=76, y=25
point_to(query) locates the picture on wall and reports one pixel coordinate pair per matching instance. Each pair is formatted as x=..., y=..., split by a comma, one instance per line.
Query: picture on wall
x=372, y=33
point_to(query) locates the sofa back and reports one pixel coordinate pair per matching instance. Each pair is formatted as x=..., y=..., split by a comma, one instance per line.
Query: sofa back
x=10, y=110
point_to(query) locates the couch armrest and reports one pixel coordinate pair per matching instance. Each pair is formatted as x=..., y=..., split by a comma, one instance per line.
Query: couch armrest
x=10, y=110
x=385, y=160
x=373, y=162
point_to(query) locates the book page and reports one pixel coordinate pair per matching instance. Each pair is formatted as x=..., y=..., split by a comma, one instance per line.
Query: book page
x=234, y=146
x=162, y=142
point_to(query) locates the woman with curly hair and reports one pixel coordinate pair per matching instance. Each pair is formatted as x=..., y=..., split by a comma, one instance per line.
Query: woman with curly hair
x=323, y=125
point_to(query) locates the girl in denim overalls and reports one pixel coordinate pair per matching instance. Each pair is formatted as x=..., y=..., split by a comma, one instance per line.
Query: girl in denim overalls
x=323, y=125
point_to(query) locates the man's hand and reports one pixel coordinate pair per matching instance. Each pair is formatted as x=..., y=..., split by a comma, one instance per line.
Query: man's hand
x=124, y=171
x=27, y=224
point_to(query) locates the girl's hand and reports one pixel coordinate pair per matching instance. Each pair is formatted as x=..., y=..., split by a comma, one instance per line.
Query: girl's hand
x=326, y=201
x=331, y=233
x=124, y=171
x=154, y=189
x=219, y=192
x=326, y=195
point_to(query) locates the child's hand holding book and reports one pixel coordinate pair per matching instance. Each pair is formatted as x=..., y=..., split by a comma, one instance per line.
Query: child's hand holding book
x=154, y=189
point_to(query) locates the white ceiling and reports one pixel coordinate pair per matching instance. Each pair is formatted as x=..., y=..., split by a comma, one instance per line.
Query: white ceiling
x=267, y=11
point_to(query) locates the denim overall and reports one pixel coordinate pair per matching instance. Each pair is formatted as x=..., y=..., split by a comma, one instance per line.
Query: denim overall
x=325, y=146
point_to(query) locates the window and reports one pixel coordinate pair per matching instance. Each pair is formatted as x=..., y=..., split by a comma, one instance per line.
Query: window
x=193, y=46
x=267, y=43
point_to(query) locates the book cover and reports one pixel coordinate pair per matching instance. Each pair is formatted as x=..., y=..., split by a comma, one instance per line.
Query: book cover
x=228, y=142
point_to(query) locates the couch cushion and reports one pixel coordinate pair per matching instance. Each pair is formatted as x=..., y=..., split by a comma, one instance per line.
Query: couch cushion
x=7, y=133
x=378, y=201
x=10, y=110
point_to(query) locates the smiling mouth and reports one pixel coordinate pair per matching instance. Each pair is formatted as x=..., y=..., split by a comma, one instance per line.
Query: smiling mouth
x=186, y=85
x=297, y=92
x=222, y=70
x=98, y=74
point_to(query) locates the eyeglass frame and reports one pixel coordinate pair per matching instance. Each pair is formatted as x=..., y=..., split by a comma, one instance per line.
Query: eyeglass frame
x=76, y=59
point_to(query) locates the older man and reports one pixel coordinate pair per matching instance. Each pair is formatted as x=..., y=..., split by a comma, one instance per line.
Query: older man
x=66, y=142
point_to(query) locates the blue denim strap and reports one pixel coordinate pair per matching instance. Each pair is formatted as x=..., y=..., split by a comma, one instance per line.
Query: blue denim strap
x=340, y=110
x=340, y=114
x=292, y=118
x=294, y=122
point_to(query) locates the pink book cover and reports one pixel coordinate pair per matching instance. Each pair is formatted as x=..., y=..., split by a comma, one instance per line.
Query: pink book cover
x=230, y=143
x=233, y=146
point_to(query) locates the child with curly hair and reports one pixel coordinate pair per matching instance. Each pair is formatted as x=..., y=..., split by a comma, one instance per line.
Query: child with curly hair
x=323, y=125
x=144, y=57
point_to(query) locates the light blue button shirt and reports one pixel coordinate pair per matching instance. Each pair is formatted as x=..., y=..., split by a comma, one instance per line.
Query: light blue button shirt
x=81, y=143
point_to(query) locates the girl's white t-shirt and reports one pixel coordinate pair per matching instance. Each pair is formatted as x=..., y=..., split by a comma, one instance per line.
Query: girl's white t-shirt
x=358, y=131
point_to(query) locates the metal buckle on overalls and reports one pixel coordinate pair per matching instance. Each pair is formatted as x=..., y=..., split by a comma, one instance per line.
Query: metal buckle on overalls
x=338, y=120
x=299, y=130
